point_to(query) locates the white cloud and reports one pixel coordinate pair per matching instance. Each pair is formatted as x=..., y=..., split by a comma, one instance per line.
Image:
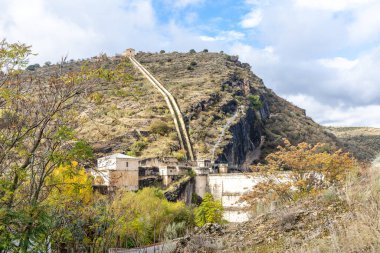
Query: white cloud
x=252, y=19
x=224, y=36
x=85, y=28
x=331, y=5
x=339, y=63
x=341, y=115
x=258, y=58
x=365, y=25
x=79, y=29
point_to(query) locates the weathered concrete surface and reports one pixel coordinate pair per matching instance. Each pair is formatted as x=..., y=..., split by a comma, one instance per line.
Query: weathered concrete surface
x=229, y=188
x=201, y=185
x=165, y=247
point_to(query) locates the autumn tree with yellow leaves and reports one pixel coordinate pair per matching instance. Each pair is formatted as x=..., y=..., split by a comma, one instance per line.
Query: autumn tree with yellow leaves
x=297, y=170
x=38, y=115
x=47, y=203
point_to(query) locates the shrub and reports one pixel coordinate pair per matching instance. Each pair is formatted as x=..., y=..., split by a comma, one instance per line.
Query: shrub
x=180, y=155
x=48, y=63
x=209, y=211
x=173, y=136
x=159, y=127
x=175, y=230
x=137, y=147
x=205, y=50
x=233, y=58
x=162, y=51
x=33, y=67
x=140, y=145
x=146, y=217
x=193, y=64
x=132, y=153
x=190, y=68
x=192, y=51
x=255, y=101
x=97, y=98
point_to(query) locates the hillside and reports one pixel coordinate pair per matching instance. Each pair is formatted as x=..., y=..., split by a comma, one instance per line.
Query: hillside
x=364, y=142
x=231, y=116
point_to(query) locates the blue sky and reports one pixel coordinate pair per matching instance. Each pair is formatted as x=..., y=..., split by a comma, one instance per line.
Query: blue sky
x=322, y=55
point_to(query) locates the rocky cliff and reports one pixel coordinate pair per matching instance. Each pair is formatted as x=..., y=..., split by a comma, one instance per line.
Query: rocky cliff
x=232, y=116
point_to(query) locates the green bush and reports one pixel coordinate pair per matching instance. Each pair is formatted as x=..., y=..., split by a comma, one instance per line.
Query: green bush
x=180, y=155
x=209, y=211
x=193, y=64
x=162, y=51
x=33, y=67
x=137, y=147
x=192, y=51
x=255, y=101
x=147, y=217
x=159, y=127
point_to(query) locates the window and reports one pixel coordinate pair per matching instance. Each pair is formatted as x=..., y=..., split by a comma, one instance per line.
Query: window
x=126, y=164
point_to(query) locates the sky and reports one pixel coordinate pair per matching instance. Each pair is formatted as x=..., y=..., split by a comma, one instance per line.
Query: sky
x=321, y=55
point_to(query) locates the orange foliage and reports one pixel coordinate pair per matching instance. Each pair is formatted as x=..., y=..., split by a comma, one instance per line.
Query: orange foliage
x=296, y=170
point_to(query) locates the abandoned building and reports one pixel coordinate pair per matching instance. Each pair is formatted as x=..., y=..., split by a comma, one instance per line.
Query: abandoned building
x=130, y=52
x=131, y=173
x=117, y=171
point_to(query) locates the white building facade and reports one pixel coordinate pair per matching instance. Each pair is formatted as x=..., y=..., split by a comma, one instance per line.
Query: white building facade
x=117, y=171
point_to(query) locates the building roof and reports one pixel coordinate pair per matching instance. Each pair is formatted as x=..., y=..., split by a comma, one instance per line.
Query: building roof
x=119, y=155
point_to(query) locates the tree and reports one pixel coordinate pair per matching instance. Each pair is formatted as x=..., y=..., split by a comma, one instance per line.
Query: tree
x=209, y=211
x=38, y=115
x=46, y=197
x=70, y=195
x=298, y=170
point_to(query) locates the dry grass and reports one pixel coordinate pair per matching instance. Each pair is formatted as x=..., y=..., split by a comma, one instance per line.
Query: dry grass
x=359, y=231
x=364, y=142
